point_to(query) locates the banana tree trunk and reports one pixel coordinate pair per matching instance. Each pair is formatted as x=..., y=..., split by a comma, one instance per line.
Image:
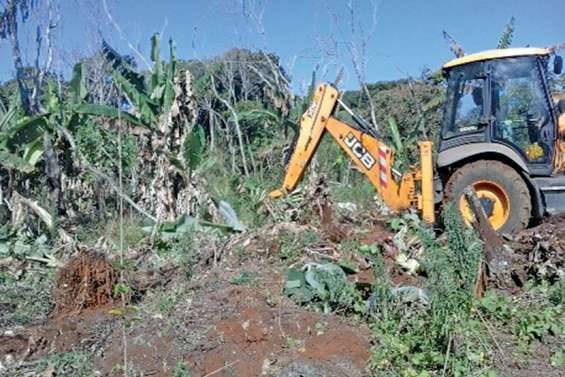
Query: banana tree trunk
x=53, y=173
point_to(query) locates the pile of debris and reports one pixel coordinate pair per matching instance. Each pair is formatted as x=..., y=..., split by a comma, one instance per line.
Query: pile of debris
x=85, y=282
x=541, y=250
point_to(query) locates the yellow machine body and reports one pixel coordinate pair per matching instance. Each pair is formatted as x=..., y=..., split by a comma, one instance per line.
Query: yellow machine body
x=507, y=195
x=372, y=156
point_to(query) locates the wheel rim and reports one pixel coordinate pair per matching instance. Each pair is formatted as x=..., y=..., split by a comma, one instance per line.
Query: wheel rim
x=495, y=201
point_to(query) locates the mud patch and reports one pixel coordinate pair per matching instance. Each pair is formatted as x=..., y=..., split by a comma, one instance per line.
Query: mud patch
x=260, y=339
x=21, y=347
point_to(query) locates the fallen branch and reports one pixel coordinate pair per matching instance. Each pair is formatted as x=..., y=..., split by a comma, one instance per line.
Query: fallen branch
x=222, y=368
x=41, y=212
x=49, y=260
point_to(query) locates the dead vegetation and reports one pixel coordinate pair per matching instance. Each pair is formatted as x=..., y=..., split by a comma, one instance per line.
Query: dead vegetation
x=232, y=317
x=86, y=281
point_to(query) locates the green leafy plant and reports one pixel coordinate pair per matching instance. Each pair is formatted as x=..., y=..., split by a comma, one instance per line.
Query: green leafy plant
x=324, y=286
x=527, y=323
x=181, y=371
x=26, y=299
x=77, y=364
x=416, y=338
x=151, y=98
x=244, y=278
x=506, y=37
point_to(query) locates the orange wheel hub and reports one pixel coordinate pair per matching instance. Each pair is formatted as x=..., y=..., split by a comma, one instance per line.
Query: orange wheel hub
x=495, y=201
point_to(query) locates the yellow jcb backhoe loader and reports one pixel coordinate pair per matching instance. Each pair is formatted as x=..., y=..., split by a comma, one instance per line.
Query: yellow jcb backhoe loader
x=502, y=132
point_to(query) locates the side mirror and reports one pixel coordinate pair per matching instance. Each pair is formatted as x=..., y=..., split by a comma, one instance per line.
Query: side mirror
x=560, y=106
x=557, y=65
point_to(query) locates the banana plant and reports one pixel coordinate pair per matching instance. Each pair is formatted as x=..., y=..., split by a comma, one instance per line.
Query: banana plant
x=10, y=160
x=403, y=143
x=22, y=140
x=150, y=98
x=192, y=153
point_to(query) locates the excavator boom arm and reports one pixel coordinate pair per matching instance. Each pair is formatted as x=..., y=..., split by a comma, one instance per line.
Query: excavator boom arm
x=371, y=155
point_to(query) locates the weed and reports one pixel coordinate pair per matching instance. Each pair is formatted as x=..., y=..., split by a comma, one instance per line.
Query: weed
x=181, y=251
x=558, y=359
x=120, y=289
x=164, y=301
x=245, y=195
x=418, y=340
x=271, y=299
x=245, y=278
x=534, y=321
x=557, y=293
x=25, y=300
x=320, y=327
x=110, y=230
x=324, y=287
x=362, y=193
x=370, y=251
x=181, y=371
x=293, y=244
x=68, y=364
x=294, y=343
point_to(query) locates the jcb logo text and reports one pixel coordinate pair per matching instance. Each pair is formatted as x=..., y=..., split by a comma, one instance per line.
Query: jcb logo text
x=359, y=151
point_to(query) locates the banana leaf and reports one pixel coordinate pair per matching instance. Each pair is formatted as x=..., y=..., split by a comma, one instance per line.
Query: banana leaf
x=50, y=99
x=144, y=104
x=33, y=151
x=31, y=122
x=28, y=129
x=77, y=88
x=123, y=65
x=176, y=163
x=171, y=230
x=11, y=161
x=257, y=115
x=230, y=217
x=156, y=75
x=194, y=145
x=396, y=139
x=107, y=111
x=169, y=90
x=6, y=118
x=157, y=92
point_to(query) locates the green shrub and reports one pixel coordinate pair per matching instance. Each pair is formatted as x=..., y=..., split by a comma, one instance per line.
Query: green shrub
x=415, y=339
x=66, y=364
x=26, y=300
x=324, y=287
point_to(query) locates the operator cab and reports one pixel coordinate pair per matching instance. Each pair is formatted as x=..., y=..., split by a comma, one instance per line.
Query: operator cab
x=502, y=97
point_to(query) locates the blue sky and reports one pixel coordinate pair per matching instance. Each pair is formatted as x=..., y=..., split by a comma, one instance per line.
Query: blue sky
x=407, y=36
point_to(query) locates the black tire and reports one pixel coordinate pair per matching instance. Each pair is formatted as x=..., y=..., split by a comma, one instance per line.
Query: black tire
x=506, y=178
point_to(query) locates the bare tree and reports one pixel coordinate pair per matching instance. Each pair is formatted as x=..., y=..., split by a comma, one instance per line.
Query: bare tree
x=357, y=47
x=235, y=118
x=29, y=81
x=350, y=40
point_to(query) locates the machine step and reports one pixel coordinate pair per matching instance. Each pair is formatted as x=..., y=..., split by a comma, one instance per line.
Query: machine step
x=553, y=192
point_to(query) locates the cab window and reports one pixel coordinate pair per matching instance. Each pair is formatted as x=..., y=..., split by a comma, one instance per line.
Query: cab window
x=465, y=109
x=523, y=118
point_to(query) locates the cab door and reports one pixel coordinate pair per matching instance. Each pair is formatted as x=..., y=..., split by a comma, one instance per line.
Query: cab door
x=522, y=115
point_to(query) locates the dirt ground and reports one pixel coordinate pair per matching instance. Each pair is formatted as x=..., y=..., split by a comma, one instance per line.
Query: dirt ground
x=220, y=327
x=217, y=328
